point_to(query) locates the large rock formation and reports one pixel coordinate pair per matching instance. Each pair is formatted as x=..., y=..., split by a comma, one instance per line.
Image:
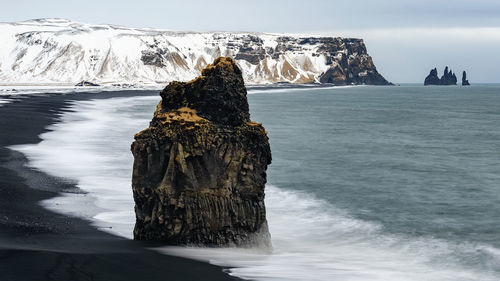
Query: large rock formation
x=200, y=168
x=448, y=78
x=61, y=51
x=465, y=82
x=349, y=62
x=432, y=78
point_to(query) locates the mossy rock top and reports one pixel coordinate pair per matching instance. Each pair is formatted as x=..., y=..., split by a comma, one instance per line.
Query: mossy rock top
x=218, y=95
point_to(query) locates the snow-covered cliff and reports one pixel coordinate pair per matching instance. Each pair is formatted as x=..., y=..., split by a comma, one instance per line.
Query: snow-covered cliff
x=58, y=51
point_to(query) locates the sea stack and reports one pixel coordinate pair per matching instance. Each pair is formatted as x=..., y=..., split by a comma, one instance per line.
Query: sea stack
x=200, y=168
x=448, y=78
x=432, y=78
x=465, y=82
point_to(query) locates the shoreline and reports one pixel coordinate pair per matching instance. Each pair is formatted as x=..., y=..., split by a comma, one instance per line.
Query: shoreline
x=13, y=88
x=36, y=243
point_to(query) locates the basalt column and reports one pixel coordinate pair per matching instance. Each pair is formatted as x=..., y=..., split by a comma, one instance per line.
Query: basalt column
x=200, y=168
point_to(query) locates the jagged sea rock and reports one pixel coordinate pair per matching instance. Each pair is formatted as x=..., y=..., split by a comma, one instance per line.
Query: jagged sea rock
x=432, y=78
x=200, y=168
x=448, y=78
x=465, y=82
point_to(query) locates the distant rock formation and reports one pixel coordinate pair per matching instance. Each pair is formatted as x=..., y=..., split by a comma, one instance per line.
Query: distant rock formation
x=465, y=82
x=349, y=62
x=448, y=78
x=432, y=78
x=200, y=168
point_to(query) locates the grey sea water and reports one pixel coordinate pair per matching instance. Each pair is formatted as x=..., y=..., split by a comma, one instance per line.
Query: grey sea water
x=367, y=183
x=421, y=161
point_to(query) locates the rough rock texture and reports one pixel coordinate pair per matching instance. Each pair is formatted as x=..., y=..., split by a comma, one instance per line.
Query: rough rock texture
x=200, y=168
x=465, y=82
x=448, y=78
x=350, y=63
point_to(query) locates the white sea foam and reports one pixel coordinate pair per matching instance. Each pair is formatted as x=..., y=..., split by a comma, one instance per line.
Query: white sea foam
x=14, y=90
x=4, y=101
x=92, y=146
x=312, y=240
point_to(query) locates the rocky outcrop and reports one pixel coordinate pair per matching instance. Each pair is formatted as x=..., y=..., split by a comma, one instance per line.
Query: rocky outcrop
x=200, y=168
x=465, y=82
x=432, y=78
x=350, y=63
x=448, y=78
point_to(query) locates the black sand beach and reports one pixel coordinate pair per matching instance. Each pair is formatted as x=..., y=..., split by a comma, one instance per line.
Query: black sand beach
x=37, y=244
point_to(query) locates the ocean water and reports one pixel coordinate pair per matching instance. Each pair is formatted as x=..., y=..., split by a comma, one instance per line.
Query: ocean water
x=367, y=183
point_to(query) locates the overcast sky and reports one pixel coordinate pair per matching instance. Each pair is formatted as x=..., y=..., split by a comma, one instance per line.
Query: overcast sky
x=405, y=38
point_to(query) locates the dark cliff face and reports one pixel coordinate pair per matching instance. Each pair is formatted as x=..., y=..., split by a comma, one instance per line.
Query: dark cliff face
x=448, y=78
x=350, y=63
x=347, y=58
x=200, y=168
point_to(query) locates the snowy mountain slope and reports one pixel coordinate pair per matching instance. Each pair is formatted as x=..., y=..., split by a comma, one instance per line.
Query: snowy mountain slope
x=48, y=51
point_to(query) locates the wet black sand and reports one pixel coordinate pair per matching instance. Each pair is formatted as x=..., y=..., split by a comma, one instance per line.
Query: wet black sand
x=37, y=244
